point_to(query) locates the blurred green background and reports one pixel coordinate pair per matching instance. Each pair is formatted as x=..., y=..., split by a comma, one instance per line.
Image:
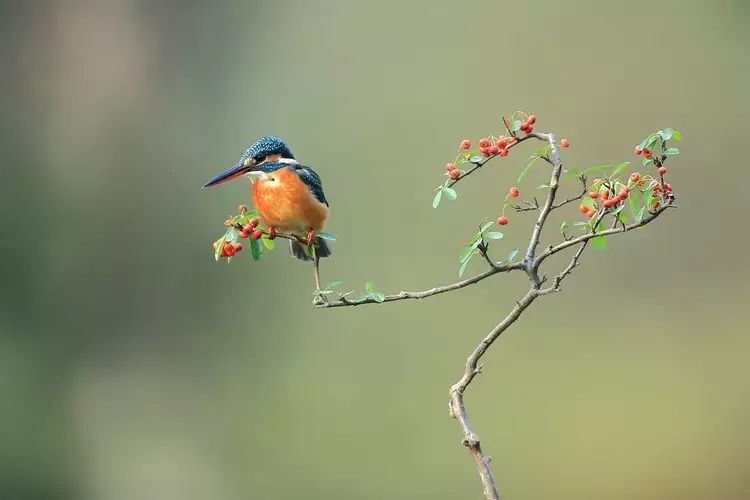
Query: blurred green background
x=132, y=366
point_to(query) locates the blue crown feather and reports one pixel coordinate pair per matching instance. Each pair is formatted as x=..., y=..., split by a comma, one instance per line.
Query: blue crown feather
x=266, y=146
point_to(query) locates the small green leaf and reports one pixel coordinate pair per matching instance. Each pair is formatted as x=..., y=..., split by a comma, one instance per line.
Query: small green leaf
x=450, y=193
x=543, y=186
x=255, y=249
x=485, y=226
x=526, y=169
x=512, y=255
x=477, y=159
x=573, y=171
x=666, y=133
x=466, y=253
x=672, y=152
x=563, y=227
x=331, y=285
x=620, y=167
x=465, y=263
x=676, y=136
x=436, y=199
x=327, y=236
x=369, y=287
x=515, y=126
x=599, y=242
x=269, y=244
x=647, y=161
x=588, y=202
x=377, y=297
x=493, y=235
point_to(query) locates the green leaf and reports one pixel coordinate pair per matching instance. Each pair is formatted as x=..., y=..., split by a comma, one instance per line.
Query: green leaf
x=599, y=242
x=436, y=199
x=466, y=253
x=649, y=141
x=327, y=236
x=465, y=263
x=515, y=126
x=331, y=285
x=369, y=287
x=573, y=171
x=588, y=202
x=543, y=186
x=512, y=255
x=647, y=161
x=450, y=193
x=620, y=167
x=666, y=133
x=526, y=169
x=563, y=227
x=269, y=244
x=255, y=249
x=676, y=136
x=485, y=226
x=493, y=235
x=477, y=159
x=672, y=152
x=377, y=297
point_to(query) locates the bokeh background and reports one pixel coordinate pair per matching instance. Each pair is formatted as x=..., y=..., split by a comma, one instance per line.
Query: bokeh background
x=132, y=366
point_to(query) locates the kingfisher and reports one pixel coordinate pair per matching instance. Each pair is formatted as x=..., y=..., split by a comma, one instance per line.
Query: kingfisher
x=288, y=195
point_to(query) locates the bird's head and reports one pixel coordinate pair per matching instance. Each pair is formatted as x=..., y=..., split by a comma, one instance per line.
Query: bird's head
x=266, y=150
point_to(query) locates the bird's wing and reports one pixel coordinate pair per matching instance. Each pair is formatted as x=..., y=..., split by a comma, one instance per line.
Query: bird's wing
x=311, y=178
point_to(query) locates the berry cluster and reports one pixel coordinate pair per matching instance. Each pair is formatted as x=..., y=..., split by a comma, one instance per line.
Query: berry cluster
x=228, y=248
x=527, y=126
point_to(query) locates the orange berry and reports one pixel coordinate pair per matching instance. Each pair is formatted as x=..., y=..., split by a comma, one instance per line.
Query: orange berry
x=514, y=192
x=662, y=170
x=635, y=177
x=590, y=213
x=583, y=208
x=502, y=220
x=623, y=193
x=449, y=166
x=454, y=174
x=465, y=144
x=594, y=194
x=484, y=142
x=605, y=194
x=255, y=235
x=565, y=143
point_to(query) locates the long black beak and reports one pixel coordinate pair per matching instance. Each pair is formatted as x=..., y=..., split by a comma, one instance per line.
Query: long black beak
x=229, y=174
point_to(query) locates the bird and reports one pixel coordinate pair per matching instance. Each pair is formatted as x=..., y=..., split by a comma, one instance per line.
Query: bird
x=288, y=195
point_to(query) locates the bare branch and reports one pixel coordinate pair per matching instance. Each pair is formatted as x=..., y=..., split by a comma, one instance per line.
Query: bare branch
x=426, y=293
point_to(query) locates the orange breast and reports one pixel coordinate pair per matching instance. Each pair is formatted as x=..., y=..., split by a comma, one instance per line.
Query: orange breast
x=283, y=201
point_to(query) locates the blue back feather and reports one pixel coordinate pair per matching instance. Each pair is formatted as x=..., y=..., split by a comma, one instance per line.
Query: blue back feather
x=309, y=176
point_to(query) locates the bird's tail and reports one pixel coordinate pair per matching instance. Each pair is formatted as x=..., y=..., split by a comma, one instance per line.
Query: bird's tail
x=321, y=249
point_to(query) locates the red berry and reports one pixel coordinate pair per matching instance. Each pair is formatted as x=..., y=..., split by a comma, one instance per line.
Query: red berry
x=247, y=229
x=525, y=127
x=610, y=202
x=256, y=234
x=242, y=209
x=565, y=143
x=531, y=119
x=454, y=174
x=512, y=140
x=244, y=234
x=228, y=249
x=253, y=222
x=502, y=220
x=503, y=152
x=668, y=187
x=638, y=151
x=465, y=144
x=501, y=142
x=647, y=152
x=484, y=142
x=529, y=129
x=237, y=247
x=271, y=233
x=514, y=192
x=662, y=170
x=635, y=177
x=494, y=150
x=590, y=213
x=605, y=194
x=485, y=151
x=449, y=166
x=583, y=208
x=623, y=193
x=594, y=194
